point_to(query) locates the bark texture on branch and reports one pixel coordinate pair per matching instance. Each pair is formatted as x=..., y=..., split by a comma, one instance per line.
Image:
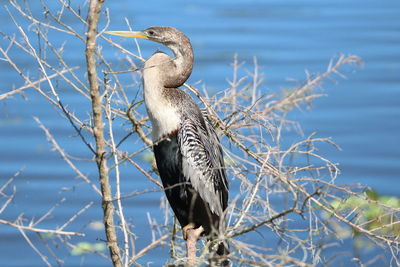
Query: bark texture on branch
x=98, y=131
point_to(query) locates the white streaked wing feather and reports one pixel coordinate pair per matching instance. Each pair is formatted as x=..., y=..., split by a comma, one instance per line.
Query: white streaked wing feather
x=198, y=165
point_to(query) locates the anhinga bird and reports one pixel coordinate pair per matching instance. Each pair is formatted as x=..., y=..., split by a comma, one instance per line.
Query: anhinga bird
x=186, y=148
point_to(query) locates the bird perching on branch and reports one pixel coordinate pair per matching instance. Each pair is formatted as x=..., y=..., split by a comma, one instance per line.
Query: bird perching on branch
x=186, y=148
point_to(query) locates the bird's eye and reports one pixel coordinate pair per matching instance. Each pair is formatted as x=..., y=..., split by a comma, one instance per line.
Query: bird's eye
x=151, y=33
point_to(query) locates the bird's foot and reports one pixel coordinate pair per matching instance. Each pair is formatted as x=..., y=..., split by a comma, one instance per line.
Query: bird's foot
x=186, y=229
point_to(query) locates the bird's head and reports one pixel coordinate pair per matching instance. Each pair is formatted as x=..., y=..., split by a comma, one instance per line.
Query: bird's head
x=174, y=71
x=159, y=34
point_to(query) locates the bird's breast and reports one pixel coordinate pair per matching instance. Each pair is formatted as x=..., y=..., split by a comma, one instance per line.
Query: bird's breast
x=165, y=121
x=164, y=117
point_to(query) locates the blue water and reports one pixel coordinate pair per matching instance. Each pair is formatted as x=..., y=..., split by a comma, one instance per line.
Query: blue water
x=360, y=113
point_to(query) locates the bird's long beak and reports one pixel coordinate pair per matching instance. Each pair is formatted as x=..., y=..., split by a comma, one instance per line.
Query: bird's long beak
x=133, y=34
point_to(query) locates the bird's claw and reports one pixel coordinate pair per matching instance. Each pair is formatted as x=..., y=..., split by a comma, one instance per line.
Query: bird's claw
x=185, y=230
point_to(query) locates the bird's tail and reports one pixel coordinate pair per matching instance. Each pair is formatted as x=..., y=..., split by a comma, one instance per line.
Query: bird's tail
x=222, y=249
x=220, y=253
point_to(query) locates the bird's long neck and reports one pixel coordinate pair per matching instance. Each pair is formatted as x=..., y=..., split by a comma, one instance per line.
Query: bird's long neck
x=182, y=63
x=161, y=76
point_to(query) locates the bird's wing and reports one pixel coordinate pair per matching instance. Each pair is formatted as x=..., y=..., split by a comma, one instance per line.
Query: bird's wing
x=202, y=164
x=217, y=158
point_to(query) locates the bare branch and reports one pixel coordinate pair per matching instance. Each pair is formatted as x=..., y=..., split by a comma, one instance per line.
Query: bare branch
x=39, y=230
x=98, y=131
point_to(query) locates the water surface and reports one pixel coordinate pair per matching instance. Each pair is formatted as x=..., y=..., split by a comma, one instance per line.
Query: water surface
x=361, y=113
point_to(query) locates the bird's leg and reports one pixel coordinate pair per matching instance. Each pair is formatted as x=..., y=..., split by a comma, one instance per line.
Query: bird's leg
x=185, y=230
x=191, y=235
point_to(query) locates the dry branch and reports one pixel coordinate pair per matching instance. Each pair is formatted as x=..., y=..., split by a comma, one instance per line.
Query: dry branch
x=39, y=230
x=98, y=131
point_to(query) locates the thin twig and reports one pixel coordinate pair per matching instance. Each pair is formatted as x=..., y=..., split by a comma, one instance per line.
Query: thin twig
x=39, y=230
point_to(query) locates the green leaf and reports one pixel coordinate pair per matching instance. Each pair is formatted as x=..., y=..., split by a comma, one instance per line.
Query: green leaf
x=372, y=194
x=86, y=247
x=390, y=201
x=373, y=212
